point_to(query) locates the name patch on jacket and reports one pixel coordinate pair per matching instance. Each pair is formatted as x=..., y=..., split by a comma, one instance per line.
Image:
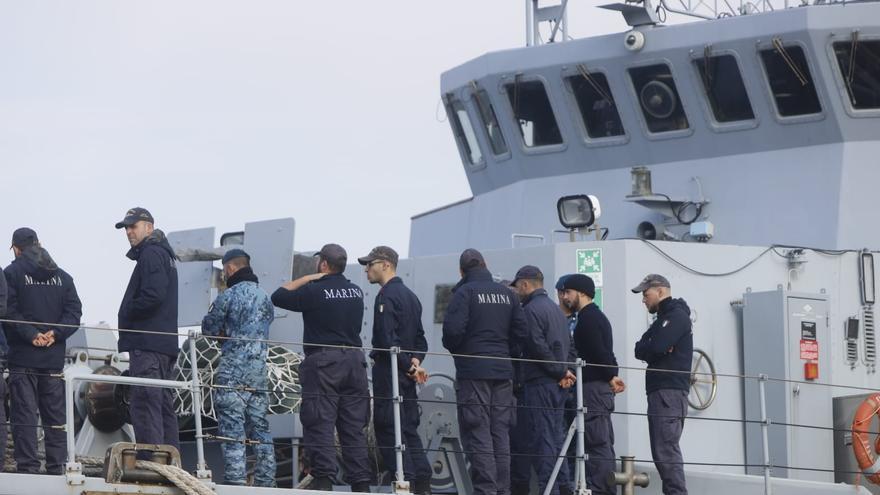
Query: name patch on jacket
x=342, y=294
x=56, y=280
x=493, y=298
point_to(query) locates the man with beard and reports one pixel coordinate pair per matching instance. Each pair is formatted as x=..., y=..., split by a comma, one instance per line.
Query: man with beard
x=595, y=345
x=150, y=304
x=45, y=296
x=668, y=348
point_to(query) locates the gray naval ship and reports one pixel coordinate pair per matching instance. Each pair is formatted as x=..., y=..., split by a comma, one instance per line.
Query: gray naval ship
x=736, y=155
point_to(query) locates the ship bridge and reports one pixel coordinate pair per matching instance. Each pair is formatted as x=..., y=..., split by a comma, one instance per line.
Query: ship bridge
x=764, y=126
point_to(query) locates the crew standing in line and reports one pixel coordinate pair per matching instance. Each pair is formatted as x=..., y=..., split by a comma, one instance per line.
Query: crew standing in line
x=242, y=312
x=38, y=291
x=544, y=389
x=150, y=304
x=595, y=345
x=667, y=345
x=397, y=322
x=334, y=379
x=485, y=319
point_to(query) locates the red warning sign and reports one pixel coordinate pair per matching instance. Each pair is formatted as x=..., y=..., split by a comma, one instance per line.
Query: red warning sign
x=809, y=350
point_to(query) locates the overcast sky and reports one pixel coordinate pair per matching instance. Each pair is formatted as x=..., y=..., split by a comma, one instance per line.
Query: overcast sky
x=216, y=113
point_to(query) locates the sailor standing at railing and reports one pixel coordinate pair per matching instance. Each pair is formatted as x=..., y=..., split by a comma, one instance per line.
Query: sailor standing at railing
x=150, y=304
x=4, y=351
x=667, y=345
x=594, y=341
x=484, y=319
x=335, y=392
x=397, y=322
x=243, y=312
x=539, y=432
x=38, y=291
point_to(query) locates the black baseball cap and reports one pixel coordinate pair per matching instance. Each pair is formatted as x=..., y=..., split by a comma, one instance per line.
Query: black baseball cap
x=24, y=237
x=528, y=272
x=134, y=216
x=383, y=253
x=235, y=253
x=580, y=283
x=334, y=254
x=651, y=280
x=470, y=258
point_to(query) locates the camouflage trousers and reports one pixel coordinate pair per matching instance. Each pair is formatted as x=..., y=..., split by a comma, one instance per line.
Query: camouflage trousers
x=242, y=415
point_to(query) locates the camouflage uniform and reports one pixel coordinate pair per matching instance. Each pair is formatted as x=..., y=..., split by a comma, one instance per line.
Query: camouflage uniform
x=243, y=311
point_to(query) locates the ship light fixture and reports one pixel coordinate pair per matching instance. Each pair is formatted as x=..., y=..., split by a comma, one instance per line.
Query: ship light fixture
x=579, y=213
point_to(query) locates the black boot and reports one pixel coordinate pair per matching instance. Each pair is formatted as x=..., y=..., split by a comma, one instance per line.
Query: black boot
x=361, y=486
x=421, y=487
x=321, y=483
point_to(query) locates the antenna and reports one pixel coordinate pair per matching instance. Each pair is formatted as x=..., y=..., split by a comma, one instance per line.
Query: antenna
x=555, y=14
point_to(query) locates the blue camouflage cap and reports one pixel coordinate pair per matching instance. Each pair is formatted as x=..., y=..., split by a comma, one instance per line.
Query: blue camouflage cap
x=235, y=253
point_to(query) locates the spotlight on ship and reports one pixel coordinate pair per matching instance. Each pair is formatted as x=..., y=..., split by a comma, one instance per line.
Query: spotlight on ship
x=578, y=213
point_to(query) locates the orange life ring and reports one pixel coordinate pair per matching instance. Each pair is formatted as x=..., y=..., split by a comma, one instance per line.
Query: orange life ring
x=866, y=456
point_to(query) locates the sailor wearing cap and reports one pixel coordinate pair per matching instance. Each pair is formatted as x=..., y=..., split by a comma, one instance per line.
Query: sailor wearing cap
x=242, y=312
x=397, y=322
x=150, y=304
x=485, y=319
x=334, y=379
x=539, y=432
x=667, y=345
x=595, y=345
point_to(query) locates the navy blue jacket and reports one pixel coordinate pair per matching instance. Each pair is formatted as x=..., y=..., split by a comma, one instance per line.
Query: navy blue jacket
x=39, y=291
x=595, y=344
x=668, y=345
x=548, y=324
x=150, y=301
x=485, y=318
x=397, y=322
x=3, y=346
x=332, y=310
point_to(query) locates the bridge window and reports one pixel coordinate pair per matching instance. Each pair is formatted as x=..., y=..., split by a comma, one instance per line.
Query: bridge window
x=596, y=104
x=463, y=130
x=790, y=80
x=659, y=98
x=859, y=63
x=724, y=88
x=533, y=113
x=490, y=122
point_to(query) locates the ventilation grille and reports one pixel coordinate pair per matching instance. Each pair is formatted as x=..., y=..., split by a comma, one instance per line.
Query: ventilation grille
x=870, y=338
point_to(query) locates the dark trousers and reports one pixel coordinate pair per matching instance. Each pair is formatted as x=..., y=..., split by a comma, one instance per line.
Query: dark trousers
x=415, y=460
x=151, y=408
x=486, y=411
x=33, y=392
x=667, y=409
x=335, y=394
x=3, y=431
x=599, y=436
x=538, y=436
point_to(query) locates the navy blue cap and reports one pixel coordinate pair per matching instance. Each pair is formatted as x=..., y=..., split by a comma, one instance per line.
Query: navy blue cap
x=528, y=272
x=235, y=253
x=580, y=283
x=560, y=284
x=134, y=216
x=24, y=237
x=470, y=258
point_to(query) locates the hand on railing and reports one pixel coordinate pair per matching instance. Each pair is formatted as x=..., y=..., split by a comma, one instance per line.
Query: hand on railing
x=617, y=385
x=568, y=380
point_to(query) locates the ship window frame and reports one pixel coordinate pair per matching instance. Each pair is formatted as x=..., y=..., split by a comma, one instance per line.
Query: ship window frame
x=508, y=80
x=577, y=116
x=462, y=142
x=493, y=108
x=768, y=89
x=839, y=76
x=708, y=110
x=637, y=105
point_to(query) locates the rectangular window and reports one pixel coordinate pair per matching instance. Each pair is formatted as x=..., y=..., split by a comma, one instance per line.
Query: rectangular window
x=533, y=113
x=463, y=129
x=859, y=63
x=596, y=104
x=490, y=122
x=790, y=80
x=659, y=98
x=724, y=88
